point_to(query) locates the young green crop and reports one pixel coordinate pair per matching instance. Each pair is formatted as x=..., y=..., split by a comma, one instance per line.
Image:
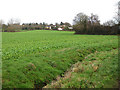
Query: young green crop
x=34, y=58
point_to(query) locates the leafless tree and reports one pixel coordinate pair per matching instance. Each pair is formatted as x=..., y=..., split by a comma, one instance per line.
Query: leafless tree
x=17, y=21
x=80, y=18
x=119, y=12
x=94, y=19
x=1, y=23
x=109, y=23
x=13, y=25
x=13, y=21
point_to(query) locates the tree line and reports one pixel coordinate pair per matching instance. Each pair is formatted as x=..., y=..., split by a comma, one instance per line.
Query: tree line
x=14, y=26
x=84, y=24
x=45, y=26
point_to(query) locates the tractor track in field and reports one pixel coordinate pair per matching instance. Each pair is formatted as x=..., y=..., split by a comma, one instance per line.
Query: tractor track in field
x=75, y=68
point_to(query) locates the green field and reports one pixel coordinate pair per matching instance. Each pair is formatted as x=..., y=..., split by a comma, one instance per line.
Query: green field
x=35, y=58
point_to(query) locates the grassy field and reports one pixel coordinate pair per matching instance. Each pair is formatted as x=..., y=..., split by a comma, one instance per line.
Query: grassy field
x=35, y=58
x=98, y=70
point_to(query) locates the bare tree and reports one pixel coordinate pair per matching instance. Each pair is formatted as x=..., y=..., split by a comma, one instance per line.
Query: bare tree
x=116, y=19
x=80, y=22
x=109, y=23
x=11, y=21
x=94, y=19
x=80, y=18
x=1, y=23
x=13, y=25
x=117, y=15
x=17, y=21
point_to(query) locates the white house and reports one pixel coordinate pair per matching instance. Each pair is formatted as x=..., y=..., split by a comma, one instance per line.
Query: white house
x=70, y=28
x=60, y=29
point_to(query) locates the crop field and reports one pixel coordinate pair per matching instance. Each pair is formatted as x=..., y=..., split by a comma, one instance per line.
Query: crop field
x=34, y=59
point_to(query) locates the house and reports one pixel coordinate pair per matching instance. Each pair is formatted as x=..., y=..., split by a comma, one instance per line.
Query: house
x=60, y=28
x=48, y=27
x=70, y=28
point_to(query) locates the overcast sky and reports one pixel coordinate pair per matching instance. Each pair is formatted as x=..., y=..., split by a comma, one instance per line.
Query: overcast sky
x=51, y=11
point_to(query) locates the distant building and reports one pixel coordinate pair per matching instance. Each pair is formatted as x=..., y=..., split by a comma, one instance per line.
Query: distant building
x=70, y=28
x=60, y=29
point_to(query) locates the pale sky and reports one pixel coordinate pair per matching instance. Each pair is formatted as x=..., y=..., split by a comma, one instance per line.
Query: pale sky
x=52, y=11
